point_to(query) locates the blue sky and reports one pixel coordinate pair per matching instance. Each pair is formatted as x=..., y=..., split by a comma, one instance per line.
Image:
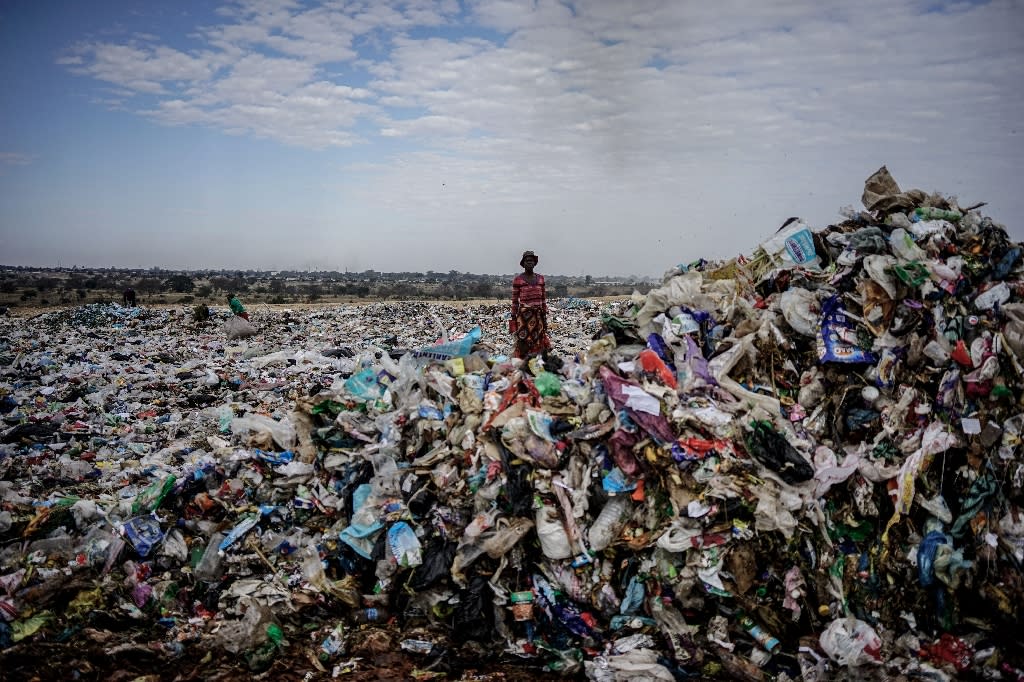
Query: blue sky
x=610, y=137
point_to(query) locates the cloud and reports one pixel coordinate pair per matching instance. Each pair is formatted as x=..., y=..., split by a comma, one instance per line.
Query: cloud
x=263, y=72
x=138, y=68
x=16, y=159
x=601, y=116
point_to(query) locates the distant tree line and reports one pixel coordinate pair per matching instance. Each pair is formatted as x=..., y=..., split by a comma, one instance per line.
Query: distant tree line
x=49, y=286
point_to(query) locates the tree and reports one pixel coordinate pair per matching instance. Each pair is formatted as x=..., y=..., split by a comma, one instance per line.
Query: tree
x=147, y=285
x=221, y=283
x=481, y=290
x=180, y=284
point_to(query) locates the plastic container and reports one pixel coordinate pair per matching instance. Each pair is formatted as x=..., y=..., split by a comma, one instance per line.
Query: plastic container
x=608, y=522
x=766, y=640
x=522, y=605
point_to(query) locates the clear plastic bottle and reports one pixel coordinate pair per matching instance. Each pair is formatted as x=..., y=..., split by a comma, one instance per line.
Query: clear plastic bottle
x=224, y=416
x=209, y=568
x=608, y=522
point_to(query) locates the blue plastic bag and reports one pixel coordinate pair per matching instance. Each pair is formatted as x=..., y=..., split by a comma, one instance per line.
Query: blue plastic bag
x=452, y=349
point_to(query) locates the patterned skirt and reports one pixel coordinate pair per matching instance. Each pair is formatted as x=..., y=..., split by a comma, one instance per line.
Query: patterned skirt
x=531, y=335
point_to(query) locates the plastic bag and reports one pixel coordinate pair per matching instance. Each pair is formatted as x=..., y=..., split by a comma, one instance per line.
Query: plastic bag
x=852, y=642
x=437, y=562
x=801, y=310
x=505, y=536
x=992, y=297
x=150, y=498
x=365, y=523
x=404, y=545
x=554, y=541
x=793, y=246
x=452, y=349
x=652, y=364
x=364, y=385
x=143, y=532
x=266, y=431
x=239, y=328
x=474, y=612
x=548, y=384
x=838, y=339
x=904, y=247
x=771, y=449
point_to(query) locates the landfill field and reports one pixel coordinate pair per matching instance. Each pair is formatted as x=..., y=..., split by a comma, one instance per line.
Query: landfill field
x=804, y=463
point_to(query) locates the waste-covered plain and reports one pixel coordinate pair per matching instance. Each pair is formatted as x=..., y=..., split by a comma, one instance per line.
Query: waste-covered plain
x=802, y=463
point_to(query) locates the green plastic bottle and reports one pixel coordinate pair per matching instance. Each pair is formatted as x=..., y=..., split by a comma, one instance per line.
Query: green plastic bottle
x=932, y=213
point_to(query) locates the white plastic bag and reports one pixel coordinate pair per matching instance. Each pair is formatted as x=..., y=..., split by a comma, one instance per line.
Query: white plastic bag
x=239, y=328
x=793, y=246
x=266, y=429
x=852, y=642
x=904, y=247
x=802, y=311
x=554, y=541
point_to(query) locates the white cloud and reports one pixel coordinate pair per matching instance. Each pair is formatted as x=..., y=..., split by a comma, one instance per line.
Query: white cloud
x=593, y=116
x=138, y=68
x=15, y=159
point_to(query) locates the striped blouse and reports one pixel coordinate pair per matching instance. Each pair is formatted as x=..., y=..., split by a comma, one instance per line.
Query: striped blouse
x=528, y=295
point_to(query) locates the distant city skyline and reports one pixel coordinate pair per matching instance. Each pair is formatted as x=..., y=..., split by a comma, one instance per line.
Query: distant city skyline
x=613, y=138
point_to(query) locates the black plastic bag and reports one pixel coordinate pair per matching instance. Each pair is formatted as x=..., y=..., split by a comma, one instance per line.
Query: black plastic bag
x=438, y=556
x=771, y=449
x=473, y=615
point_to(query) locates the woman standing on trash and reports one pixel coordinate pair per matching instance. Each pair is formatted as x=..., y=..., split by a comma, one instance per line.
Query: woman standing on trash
x=236, y=306
x=529, y=324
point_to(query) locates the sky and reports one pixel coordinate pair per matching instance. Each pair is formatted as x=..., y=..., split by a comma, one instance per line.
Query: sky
x=611, y=137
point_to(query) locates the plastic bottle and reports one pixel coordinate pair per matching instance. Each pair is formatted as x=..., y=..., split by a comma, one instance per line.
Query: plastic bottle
x=673, y=626
x=209, y=568
x=62, y=544
x=371, y=615
x=243, y=527
x=766, y=640
x=150, y=498
x=932, y=213
x=225, y=414
x=605, y=526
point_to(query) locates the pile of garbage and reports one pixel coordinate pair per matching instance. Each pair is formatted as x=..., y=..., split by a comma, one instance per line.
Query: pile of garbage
x=801, y=464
